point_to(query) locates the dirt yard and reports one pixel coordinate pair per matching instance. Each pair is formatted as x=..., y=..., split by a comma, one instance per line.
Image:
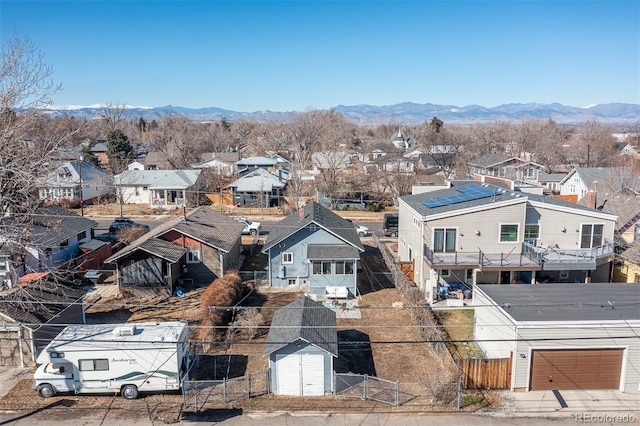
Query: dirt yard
x=382, y=343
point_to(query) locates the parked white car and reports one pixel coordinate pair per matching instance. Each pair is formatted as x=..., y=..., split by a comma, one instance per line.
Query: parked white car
x=250, y=228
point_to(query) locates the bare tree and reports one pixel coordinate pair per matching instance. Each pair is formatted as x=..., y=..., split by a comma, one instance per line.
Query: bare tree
x=28, y=153
x=113, y=117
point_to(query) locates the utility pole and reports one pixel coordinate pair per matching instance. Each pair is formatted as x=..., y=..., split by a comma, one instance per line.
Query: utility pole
x=81, y=194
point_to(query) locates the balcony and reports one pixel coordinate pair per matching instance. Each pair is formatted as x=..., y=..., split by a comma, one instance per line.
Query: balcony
x=558, y=259
x=529, y=258
x=479, y=259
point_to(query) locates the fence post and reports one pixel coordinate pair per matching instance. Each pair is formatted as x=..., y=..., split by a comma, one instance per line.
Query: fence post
x=248, y=383
x=397, y=394
x=459, y=392
x=224, y=388
x=365, y=391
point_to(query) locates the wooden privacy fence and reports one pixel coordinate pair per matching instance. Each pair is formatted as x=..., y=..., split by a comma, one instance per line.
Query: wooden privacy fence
x=485, y=373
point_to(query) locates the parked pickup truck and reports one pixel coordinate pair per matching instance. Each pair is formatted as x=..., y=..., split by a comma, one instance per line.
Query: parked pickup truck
x=251, y=228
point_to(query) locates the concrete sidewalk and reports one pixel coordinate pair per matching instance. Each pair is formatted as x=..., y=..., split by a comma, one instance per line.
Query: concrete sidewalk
x=572, y=403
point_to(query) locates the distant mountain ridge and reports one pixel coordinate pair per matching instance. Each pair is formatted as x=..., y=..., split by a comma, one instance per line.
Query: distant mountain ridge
x=407, y=113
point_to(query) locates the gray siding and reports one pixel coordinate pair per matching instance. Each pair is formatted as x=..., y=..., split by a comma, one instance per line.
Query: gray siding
x=211, y=259
x=553, y=222
x=587, y=336
x=306, y=349
x=487, y=222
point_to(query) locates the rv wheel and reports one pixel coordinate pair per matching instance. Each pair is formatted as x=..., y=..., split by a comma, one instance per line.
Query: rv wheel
x=46, y=391
x=129, y=392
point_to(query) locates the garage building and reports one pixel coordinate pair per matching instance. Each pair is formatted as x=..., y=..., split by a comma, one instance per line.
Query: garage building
x=301, y=346
x=563, y=336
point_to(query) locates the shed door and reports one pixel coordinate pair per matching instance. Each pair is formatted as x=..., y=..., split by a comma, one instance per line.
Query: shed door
x=576, y=369
x=300, y=375
x=288, y=370
x=312, y=375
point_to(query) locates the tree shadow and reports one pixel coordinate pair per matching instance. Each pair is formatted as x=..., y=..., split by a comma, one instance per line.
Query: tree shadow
x=62, y=402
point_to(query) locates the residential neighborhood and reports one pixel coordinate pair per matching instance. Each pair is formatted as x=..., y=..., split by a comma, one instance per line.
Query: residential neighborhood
x=289, y=213
x=536, y=267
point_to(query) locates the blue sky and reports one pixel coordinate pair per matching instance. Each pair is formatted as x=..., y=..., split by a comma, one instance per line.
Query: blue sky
x=299, y=55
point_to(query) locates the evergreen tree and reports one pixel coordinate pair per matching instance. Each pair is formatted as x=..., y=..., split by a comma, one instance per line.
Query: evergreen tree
x=119, y=151
x=89, y=156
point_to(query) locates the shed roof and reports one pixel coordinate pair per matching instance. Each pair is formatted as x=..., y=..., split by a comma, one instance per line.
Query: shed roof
x=567, y=302
x=303, y=319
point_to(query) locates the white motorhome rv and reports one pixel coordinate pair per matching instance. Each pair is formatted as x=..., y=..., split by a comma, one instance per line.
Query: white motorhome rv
x=127, y=358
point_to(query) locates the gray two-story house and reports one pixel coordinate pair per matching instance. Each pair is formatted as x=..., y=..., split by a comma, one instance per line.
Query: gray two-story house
x=475, y=233
x=314, y=247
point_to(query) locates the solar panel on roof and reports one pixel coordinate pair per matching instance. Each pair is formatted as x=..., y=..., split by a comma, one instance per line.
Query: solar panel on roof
x=465, y=193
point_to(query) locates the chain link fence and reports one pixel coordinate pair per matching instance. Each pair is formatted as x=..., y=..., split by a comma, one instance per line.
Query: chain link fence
x=443, y=396
x=199, y=395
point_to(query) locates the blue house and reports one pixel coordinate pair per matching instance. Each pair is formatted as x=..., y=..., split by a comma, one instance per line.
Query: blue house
x=301, y=346
x=314, y=247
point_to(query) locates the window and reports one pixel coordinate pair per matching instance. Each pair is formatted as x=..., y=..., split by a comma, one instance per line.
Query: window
x=469, y=276
x=287, y=258
x=93, y=364
x=591, y=235
x=64, y=243
x=444, y=240
x=509, y=233
x=344, y=267
x=313, y=227
x=292, y=281
x=193, y=256
x=81, y=235
x=445, y=273
x=3, y=265
x=531, y=233
x=322, y=268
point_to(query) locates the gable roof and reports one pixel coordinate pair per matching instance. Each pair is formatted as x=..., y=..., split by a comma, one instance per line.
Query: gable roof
x=258, y=180
x=256, y=161
x=203, y=224
x=47, y=226
x=580, y=302
x=303, y=319
x=158, y=179
x=492, y=159
x=319, y=215
x=589, y=175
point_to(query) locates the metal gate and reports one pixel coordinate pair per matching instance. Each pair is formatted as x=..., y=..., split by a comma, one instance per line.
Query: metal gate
x=349, y=385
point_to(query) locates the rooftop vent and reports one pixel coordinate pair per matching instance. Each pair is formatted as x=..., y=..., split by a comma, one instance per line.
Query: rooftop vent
x=125, y=330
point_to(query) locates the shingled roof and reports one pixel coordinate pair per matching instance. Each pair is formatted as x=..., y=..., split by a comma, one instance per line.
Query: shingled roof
x=305, y=320
x=39, y=302
x=203, y=224
x=313, y=213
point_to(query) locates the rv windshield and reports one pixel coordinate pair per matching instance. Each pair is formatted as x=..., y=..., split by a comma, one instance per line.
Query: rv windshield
x=54, y=368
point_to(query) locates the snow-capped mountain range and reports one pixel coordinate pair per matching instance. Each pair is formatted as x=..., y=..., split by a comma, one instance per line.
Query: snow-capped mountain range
x=407, y=113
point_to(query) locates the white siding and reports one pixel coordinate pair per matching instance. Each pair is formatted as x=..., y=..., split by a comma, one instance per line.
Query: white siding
x=493, y=331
